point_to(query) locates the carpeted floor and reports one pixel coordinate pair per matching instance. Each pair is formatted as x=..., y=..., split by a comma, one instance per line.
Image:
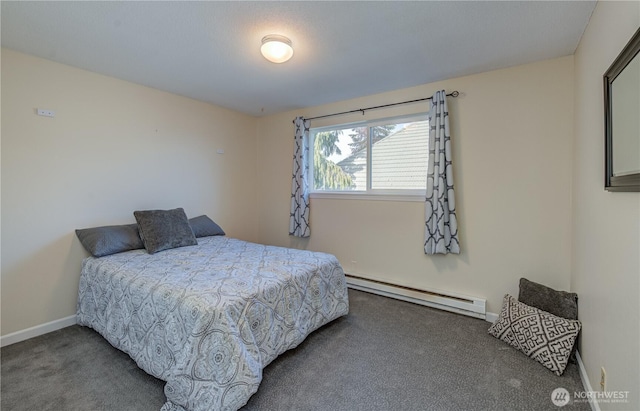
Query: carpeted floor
x=385, y=355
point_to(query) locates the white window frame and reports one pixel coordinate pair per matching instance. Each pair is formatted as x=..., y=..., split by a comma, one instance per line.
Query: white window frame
x=369, y=193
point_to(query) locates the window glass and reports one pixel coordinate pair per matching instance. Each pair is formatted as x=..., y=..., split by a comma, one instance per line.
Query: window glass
x=385, y=156
x=340, y=159
x=399, y=156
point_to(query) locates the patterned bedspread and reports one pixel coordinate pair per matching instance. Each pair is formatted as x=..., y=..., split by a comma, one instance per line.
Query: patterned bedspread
x=208, y=318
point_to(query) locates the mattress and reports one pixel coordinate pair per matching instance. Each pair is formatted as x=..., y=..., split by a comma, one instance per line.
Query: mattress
x=208, y=318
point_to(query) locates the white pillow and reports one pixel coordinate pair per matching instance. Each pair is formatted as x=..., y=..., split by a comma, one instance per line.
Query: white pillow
x=540, y=335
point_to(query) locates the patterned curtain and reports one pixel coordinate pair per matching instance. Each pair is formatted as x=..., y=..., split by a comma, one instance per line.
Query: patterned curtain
x=441, y=225
x=299, y=217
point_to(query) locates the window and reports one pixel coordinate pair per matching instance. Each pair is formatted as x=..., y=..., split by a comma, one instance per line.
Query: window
x=379, y=157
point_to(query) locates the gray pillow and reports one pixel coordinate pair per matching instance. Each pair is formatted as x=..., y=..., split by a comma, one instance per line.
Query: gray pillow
x=544, y=337
x=164, y=229
x=107, y=240
x=203, y=226
x=560, y=303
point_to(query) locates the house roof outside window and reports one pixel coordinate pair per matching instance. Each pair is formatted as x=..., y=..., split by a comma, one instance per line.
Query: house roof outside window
x=399, y=161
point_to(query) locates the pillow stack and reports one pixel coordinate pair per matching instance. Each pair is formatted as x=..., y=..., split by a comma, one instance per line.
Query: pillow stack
x=156, y=230
x=537, y=331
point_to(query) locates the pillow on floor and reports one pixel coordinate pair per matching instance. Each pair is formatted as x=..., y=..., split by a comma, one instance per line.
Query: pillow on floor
x=542, y=336
x=560, y=303
x=164, y=229
x=107, y=240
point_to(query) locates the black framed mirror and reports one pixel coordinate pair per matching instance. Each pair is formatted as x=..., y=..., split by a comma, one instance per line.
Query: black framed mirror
x=622, y=119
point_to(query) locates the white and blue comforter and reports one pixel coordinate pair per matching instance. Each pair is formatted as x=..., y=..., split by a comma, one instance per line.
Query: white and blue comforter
x=208, y=318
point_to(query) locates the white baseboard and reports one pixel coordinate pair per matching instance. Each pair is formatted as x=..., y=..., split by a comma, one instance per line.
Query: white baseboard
x=585, y=381
x=491, y=317
x=37, y=330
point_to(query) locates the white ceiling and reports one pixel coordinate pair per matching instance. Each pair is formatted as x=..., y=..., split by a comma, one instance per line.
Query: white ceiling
x=210, y=50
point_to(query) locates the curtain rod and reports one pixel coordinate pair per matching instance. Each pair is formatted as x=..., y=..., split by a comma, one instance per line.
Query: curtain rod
x=453, y=94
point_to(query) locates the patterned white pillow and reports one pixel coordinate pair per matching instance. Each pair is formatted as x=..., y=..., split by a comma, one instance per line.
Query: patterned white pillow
x=540, y=335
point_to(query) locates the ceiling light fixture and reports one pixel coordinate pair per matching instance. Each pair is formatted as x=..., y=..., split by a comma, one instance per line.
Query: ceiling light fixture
x=276, y=49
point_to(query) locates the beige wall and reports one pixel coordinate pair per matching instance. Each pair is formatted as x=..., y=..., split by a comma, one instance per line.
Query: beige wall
x=606, y=228
x=512, y=131
x=113, y=147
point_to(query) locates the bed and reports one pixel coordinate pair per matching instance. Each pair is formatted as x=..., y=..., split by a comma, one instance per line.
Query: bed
x=208, y=318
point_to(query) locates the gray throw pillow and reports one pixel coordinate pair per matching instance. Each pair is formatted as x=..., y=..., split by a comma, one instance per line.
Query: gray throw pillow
x=544, y=337
x=560, y=303
x=107, y=240
x=203, y=226
x=164, y=229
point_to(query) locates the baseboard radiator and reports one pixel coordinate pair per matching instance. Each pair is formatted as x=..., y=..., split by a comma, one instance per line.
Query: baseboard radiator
x=457, y=303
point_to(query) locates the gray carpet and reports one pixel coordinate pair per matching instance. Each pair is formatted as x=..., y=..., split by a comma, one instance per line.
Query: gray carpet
x=385, y=355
